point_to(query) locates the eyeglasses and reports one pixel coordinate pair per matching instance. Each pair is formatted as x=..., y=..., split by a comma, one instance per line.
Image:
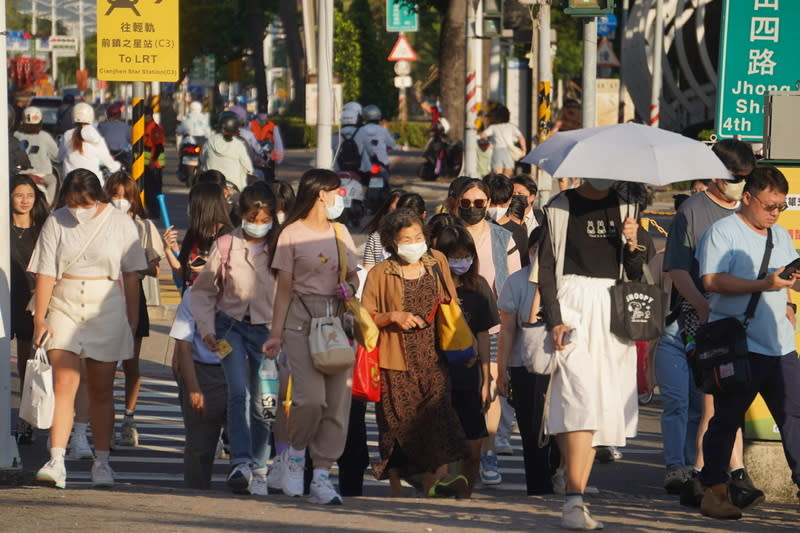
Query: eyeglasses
x=479, y=203
x=770, y=208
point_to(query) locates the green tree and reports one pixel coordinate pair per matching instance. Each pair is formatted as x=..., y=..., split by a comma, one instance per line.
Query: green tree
x=375, y=71
x=347, y=56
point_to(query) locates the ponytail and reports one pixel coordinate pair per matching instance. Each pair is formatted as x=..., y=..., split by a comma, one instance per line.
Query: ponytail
x=77, y=139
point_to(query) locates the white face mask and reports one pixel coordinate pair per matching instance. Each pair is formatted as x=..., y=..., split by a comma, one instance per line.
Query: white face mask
x=734, y=191
x=122, y=204
x=256, y=230
x=281, y=216
x=335, y=211
x=411, y=253
x=83, y=214
x=496, y=213
x=601, y=184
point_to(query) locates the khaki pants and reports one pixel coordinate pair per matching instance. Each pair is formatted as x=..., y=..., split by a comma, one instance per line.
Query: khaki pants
x=320, y=403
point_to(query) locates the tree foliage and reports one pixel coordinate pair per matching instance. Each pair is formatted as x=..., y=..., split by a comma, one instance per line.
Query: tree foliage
x=347, y=55
x=375, y=71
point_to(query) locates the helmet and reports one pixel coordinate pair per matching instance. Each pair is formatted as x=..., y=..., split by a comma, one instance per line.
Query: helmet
x=228, y=123
x=371, y=113
x=351, y=113
x=195, y=107
x=114, y=110
x=239, y=112
x=82, y=113
x=241, y=100
x=32, y=115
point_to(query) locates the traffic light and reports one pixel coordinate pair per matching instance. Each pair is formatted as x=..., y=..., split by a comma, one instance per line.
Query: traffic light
x=492, y=18
x=588, y=8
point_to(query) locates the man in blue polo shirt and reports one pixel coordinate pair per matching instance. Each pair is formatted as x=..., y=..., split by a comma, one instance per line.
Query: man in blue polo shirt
x=730, y=255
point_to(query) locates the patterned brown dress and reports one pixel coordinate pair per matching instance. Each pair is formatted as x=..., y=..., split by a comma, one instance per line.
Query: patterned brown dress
x=419, y=429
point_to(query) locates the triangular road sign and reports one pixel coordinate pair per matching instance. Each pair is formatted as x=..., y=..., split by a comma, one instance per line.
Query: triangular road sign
x=605, y=54
x=402, y=51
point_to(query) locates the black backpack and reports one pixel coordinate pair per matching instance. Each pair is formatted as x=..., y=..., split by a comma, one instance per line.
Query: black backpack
x=349, y=157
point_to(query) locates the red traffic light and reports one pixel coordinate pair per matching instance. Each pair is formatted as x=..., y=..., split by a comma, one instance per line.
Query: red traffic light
x=26, y=35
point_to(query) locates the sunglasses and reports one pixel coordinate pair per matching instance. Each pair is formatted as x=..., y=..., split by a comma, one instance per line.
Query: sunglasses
x=735, y=178
x=770, y=208
x=480, y=203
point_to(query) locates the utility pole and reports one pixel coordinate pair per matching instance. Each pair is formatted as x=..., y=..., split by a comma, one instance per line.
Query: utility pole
x=81, y=54
x=589, y=72
x=544, y=119
x=53, y=33
x=622, y=67
x=658, y=50
x=324, y=83
x=474, y=89
x=34, y=28
x=9, y=455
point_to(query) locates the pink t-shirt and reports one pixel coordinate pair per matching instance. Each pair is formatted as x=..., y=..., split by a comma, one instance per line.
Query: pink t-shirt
x=312, y=258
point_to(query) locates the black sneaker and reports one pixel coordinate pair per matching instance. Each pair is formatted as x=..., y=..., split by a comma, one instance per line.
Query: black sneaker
x=744, y=494
x=692, y=491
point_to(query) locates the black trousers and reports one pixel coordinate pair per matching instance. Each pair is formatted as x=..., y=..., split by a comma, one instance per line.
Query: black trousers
x=152, y=188
x=355, y=458
x=777, y=378
x=527, y=399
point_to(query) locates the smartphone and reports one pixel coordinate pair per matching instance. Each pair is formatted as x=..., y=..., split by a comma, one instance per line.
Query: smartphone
x=198, y=261
x=567, y=337
x=790, y=269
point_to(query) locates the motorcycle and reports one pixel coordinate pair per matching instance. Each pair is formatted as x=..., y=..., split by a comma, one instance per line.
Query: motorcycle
x=189, y=158
x=443, y=157
x=267, y=171
x=378, y=188
x=353, y=198
x=124, y=157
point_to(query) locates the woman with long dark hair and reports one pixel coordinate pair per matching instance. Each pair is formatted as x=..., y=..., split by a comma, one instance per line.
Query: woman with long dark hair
x=123, y=193
x=83, y=251
x=83, y=146
x=208, y=220
x=28, y=213
x=306, y=265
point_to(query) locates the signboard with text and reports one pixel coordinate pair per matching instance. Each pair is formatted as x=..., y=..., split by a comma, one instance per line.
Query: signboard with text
x=758, y=53
x=137, y=41
x=401, y=16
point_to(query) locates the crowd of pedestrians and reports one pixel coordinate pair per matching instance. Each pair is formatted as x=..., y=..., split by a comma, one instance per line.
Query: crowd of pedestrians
x=261, y=264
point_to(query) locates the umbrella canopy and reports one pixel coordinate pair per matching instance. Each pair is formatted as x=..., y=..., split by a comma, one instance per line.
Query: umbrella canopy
x=627, y=152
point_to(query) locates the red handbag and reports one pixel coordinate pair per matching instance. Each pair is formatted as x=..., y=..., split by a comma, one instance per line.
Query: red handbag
x=367, y=375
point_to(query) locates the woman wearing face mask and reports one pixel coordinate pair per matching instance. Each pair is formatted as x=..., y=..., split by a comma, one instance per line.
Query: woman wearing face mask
x=470, y=381
x=588, y=232
x=420, y=432
x=498, y=258
x=284, y=199
x=124, y=195
x=83, y=250
x=232, y=302
x=306, y=265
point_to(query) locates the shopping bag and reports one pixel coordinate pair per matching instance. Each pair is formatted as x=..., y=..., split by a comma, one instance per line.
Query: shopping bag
x=38, y=399
x=367, y=375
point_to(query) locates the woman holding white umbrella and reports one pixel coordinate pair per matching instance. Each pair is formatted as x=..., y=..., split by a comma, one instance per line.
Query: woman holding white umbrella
x=593, y=398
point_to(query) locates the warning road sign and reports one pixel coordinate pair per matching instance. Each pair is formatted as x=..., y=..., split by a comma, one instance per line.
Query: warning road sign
x=137, y=40
x=402, y=51
x=605, y=54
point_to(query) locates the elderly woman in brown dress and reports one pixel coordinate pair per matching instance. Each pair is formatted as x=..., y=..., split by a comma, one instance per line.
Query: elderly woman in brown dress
x=420, y=432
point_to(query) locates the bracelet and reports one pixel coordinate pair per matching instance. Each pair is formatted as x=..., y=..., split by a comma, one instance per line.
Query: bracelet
x=792, y=306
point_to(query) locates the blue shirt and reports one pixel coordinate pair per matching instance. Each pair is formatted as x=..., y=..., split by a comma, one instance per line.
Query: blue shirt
x=183, y=329
x=516, y=297
x=731, y=246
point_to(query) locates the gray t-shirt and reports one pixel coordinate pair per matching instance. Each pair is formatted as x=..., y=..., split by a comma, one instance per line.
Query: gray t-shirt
x=516, y=297
x=694, y=217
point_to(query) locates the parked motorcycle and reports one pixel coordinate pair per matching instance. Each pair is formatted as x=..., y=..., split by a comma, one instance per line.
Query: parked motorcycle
x=189, y=158
x=353, y=198
x=442, y=157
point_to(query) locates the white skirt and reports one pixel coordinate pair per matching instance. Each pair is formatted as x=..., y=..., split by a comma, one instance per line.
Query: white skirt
x=88, y=318
x=594, y=386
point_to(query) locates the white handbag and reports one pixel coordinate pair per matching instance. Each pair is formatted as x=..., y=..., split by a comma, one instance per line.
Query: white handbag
x=38, y=399
x=331, y=351
x=538, y=352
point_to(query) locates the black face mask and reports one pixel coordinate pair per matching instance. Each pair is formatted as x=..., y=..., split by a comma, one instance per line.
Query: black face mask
x=472, y=215
x=522, y=197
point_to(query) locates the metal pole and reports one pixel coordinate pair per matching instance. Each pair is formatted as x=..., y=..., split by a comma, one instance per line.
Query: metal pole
x=658, y=50
x=472, y=93
x=589, y=71
x=9, y=455
x=81, y=55
x=402, y=105
x=155, y=100
x=137, y=135
x=34, y=28
x=622, y=67
x=544, y=121
x=53, y=32
x=324, y=83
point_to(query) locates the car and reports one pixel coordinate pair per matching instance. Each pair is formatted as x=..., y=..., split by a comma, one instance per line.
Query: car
x=49, y=106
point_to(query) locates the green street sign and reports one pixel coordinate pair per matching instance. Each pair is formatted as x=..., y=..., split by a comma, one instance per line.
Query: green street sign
x=758, y=54
x=401, y=16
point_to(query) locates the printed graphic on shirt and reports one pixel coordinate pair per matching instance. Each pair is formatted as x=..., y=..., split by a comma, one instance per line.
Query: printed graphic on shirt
x=326, y=263
x=601, y=229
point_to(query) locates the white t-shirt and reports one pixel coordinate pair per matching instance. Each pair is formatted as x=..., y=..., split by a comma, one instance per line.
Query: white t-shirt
x=94, y=152
x=502, y=135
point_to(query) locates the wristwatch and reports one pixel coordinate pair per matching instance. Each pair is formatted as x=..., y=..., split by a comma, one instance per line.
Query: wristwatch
x=792, y=305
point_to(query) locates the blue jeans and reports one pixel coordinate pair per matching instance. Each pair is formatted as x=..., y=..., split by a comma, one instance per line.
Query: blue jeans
x=683, y=402
x=248, y=429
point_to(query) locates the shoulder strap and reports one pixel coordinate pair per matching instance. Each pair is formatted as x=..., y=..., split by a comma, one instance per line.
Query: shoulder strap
x=337, y=230
x=92, y=237
x=762, y=272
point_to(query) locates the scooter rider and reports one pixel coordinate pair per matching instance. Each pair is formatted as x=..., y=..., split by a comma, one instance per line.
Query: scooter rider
x=41, y=148
x=268, y=136
x=227, y=153
x=195, y=124
x=374, y=141
x=117, y=134
x=247, y=136
x=345, y=157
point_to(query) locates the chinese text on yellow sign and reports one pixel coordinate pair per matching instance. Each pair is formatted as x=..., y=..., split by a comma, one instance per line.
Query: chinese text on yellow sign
x=137, y=40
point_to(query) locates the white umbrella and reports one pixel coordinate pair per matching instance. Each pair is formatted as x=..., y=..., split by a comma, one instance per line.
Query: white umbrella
x=627, y=152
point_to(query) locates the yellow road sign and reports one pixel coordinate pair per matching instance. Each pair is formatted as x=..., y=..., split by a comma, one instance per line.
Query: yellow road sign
x=137, y=40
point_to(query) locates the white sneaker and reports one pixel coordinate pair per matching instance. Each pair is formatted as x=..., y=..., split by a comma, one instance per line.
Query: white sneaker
x=258, y=485
x=102, y=475
x=240, y=478
x=322, y=492
x=275, y=473
x=79, y=447
x=559, y=480
x=502, y=446
x=292, y=478
x=576, y=516
x=52, y=474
